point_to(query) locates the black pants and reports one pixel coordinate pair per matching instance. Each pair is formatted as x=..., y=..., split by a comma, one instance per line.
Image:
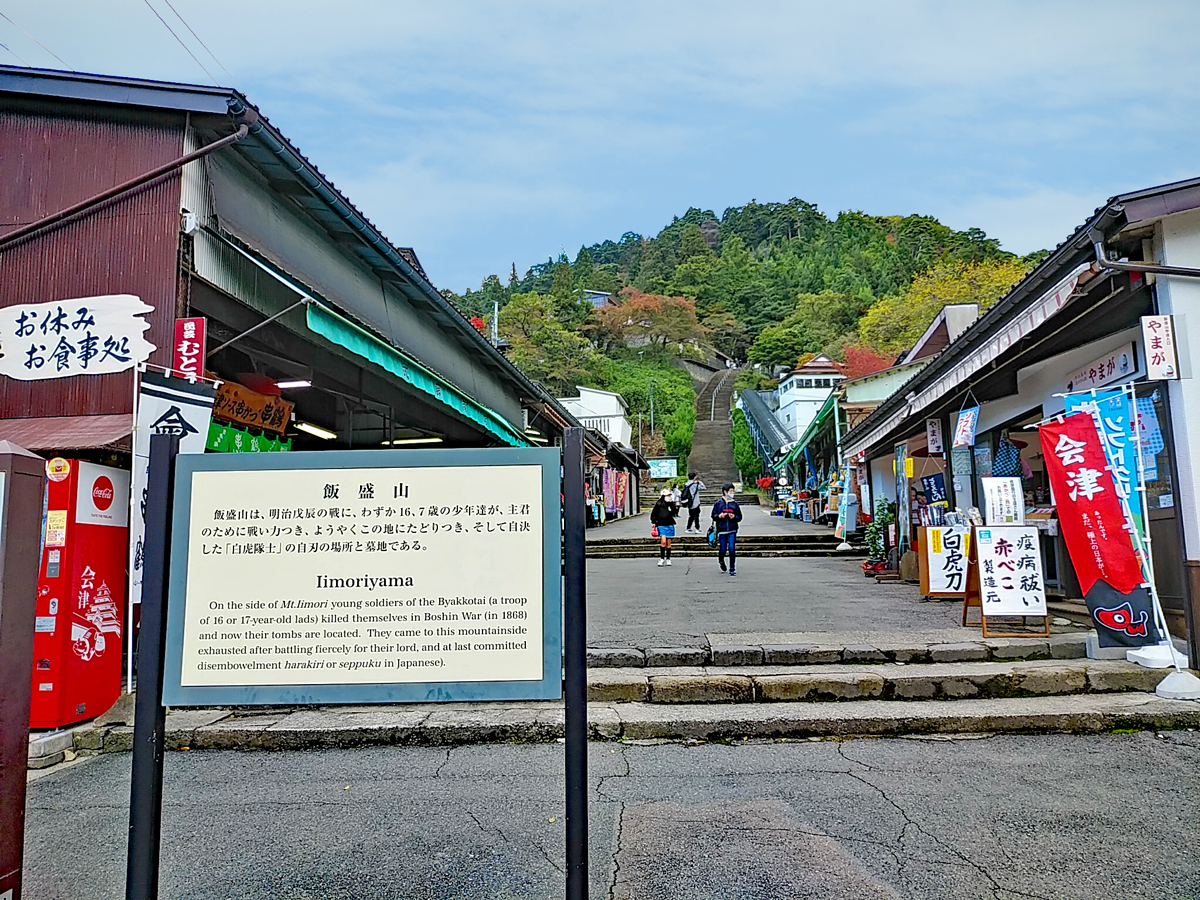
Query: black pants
x=694, y=518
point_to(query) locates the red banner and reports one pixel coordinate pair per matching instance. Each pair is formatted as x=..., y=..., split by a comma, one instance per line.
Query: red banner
x=1089, y=510
x=190, y=343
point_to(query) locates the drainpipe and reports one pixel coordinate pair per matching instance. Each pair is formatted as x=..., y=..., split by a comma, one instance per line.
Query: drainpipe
x=125, y=187
x=1097, y=238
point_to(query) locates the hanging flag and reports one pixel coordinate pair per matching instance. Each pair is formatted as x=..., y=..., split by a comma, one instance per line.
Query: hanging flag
x=1112, y=412
x=964, y=428
x=1089, y=508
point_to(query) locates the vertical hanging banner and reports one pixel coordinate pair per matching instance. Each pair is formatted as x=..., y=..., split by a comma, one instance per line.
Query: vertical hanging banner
x=165, y=406
x=964, y=429
x=191, y=341
x=933, y=436
x=1095, y=529
x=1158, y=332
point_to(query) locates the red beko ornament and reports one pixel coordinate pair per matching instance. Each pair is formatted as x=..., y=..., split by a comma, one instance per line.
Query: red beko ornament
x=79, y=625
x=190, y=343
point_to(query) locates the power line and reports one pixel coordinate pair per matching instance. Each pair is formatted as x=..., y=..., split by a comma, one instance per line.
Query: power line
x=35, y=40
x=202, y=44
x=13, y=52
x=181, y=43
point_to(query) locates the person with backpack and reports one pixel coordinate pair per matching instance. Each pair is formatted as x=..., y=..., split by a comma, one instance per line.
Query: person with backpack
x=726, y=514
x=691, y=501
x=662, y=517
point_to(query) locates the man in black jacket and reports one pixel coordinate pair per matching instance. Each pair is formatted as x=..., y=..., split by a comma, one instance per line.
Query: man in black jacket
x=725, y=515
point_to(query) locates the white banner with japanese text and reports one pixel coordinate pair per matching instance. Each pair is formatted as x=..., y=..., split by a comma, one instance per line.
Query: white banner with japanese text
x=60, y=339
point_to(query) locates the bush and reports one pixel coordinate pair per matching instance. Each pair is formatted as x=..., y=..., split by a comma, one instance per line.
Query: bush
x=674, y=398
x=744, y=455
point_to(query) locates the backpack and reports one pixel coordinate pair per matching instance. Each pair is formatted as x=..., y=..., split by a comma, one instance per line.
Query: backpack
x=689, y=494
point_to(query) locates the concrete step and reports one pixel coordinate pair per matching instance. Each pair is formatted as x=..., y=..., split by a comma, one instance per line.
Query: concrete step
x=448, y=724
x=787, y=650
x=888, y=681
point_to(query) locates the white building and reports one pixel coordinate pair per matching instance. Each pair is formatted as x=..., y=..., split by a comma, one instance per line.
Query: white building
x=803, y=391
x=604, y=411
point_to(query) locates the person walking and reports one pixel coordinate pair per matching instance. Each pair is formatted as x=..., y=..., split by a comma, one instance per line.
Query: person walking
x=691, y=501
x=725, y=515
x=662, y=517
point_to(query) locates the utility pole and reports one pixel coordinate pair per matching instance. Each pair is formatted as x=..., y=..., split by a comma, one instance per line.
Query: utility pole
x=495, y=323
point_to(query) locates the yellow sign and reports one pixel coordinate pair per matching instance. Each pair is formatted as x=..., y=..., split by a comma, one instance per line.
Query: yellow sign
x=243, y=406
x=56, y=528
x=908, y=467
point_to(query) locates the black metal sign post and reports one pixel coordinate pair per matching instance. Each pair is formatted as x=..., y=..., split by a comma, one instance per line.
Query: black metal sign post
x=149, y=724
x=575, y=663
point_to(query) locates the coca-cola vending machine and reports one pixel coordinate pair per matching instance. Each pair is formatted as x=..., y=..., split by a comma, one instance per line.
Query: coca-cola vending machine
x=81, y=592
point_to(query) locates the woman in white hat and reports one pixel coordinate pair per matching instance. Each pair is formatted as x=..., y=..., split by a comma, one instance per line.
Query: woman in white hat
x=662, y=517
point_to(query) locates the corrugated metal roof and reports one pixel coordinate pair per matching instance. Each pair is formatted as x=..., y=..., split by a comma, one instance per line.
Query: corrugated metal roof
x=76, y=432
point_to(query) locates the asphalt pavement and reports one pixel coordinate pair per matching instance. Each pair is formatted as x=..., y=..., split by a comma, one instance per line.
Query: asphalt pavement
x=1006, y=817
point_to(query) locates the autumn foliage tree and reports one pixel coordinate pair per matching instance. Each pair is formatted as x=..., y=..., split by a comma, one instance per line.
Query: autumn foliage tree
x=658, y=320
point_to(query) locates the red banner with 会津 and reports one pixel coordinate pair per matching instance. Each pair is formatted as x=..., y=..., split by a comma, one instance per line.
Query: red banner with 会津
x=1089, y=509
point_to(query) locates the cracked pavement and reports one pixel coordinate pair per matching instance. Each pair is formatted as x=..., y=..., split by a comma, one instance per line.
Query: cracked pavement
x=1000, y=818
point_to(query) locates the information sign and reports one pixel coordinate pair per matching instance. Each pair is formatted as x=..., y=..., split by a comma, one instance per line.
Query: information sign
x=933, y=435
x=1004, y=501
x=944, y=560
x=666, y=467
x=1010, y=571
x=343, y=577
x=1158, y=332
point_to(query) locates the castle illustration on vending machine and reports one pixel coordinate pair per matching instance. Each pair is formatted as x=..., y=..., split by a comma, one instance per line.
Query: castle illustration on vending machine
x=96, y=615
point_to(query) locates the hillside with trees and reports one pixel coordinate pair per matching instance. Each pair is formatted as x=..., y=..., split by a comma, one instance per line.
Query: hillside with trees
x=764, y=282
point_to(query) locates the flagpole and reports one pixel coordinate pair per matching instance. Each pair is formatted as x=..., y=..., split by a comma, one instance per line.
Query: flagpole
x=137, y=390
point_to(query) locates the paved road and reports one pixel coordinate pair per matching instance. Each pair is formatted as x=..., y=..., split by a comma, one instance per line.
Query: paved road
x=635, y=603
x=1002, y=818
x=755, y=521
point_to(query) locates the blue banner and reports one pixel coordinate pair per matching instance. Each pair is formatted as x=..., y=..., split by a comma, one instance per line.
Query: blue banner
x=1113, y=412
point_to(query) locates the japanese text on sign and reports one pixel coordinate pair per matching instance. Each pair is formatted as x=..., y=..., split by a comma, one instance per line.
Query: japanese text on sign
x=89, y=336
x=947, y=549
x=1010, y=571
x=189, y=348
x=235, y=403
x=1116, y=365
x=364, y=576
x=1158, y=332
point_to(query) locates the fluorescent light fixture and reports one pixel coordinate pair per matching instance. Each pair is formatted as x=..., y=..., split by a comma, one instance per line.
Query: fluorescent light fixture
x=299, y=383
x=421, y=440
x=317, y=431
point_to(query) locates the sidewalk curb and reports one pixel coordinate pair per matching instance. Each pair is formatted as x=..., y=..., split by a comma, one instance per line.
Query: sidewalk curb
x=454, y=724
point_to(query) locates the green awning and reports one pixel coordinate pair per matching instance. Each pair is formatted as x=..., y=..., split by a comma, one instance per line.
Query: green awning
x=811, y=432
x=349, y=336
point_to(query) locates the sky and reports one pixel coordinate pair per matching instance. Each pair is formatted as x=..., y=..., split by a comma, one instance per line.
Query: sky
x=488, y=134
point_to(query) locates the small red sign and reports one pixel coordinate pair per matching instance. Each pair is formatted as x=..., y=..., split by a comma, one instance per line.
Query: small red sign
x=190, y=343
x=102, y=493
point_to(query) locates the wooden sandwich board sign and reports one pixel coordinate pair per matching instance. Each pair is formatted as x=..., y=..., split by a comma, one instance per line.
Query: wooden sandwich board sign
x=943, y=560
x=1004, y=579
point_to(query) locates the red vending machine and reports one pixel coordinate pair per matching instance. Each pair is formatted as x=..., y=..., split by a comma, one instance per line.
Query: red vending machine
x=81, y=593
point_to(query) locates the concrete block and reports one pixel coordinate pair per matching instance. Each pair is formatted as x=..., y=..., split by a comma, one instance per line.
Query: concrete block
x=1103, y=675
x=1018, y=648
x=915, y=653
x=118, y=739
x=701, y=689
x=835, y=686
x=604, y=723
x=913, y=687
x=48, y=743
x=959, y=688
x=617, y=687
x=863, y=653
x=676, y=656
x=786, y=654
x=90, y=738
x=1095, y=651
x=1068, y=646
x=235, y=733
x=120, y=713
x=602, y=657
x=1065, y=679
x=963, y=652
x=45, y=762
x=737, y=655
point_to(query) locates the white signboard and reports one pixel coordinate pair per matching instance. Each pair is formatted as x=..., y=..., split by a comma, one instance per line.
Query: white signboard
x=337, y=576
x=1003, y=501
x=1116, y=365
x=933, y=435
x=1010, y=571
x=88, y=336
x=946, y=547
x=165, y=406
x=1158, y=333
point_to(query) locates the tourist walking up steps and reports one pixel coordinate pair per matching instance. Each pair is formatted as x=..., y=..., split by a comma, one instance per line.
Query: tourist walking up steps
x=725, y=515
x=662, y=517
x=691, y=501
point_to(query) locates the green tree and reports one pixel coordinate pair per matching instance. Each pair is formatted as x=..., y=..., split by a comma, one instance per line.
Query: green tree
x=542, y=347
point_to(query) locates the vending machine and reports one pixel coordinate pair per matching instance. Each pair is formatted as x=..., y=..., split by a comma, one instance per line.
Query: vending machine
x=81, y=592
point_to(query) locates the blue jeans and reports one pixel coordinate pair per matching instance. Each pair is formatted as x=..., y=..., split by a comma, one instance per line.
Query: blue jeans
x=727, y=541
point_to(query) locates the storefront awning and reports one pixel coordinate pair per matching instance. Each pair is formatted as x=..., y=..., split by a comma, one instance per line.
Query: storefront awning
x=362, y=343
x=820, y=419
x=67, y=432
